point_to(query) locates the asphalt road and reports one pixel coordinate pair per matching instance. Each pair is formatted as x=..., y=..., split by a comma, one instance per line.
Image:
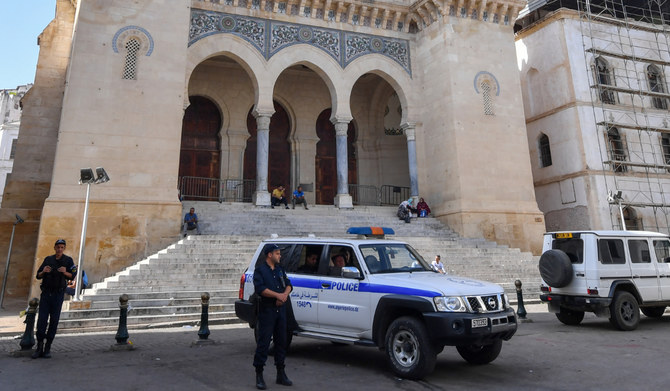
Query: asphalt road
x=543, y=355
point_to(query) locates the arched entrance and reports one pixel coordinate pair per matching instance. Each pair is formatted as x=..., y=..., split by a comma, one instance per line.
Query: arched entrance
x=279, y=158
x=326, y=158
x=199, y=158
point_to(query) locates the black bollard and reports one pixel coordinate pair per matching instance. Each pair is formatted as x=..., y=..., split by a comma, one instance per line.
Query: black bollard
x=203, y=333
x=122, y=333
x=28, y=340
x=519, y=297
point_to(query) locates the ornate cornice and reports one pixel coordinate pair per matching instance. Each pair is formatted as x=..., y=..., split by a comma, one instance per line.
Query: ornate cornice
x=384, y=15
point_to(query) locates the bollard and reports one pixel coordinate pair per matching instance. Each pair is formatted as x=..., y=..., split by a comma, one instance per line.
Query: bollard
x=28, y=340
x=122, y=333
x=203, y=333
x=519, y=297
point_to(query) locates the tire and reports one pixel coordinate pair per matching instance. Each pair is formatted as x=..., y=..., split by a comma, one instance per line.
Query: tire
x=570, y=317
x=408, y=348
x=555, y=268
x=624, y=311
x=653, y=312
x=480, y=354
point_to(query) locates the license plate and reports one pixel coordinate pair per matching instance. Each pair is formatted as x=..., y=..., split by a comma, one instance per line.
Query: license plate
x=481, y=322
x=564, y=235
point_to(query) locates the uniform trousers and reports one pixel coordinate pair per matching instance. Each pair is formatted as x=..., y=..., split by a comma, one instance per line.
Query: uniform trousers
x=271, y=325
x=49, y=311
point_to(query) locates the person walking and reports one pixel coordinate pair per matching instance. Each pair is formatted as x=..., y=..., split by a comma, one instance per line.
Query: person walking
x=54, y=273
x=274, y=288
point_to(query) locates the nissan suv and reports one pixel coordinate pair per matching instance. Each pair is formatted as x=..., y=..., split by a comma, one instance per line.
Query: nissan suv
x=613, y=274
x=386, y=296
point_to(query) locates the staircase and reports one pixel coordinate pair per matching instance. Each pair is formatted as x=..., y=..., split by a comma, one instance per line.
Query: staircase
x=165, y=288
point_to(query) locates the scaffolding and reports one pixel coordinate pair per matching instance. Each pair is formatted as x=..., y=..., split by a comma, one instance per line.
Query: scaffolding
x=627, y=50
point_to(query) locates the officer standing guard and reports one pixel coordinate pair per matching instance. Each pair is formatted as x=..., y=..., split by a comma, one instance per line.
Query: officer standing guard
x=54, y=273
x=273, y=287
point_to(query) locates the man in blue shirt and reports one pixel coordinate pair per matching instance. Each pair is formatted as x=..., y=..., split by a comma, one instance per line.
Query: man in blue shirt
x=191, y=222
x=273, y=288
x=299, y=198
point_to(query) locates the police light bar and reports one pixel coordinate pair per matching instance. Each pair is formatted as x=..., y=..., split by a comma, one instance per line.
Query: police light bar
x=371, y=231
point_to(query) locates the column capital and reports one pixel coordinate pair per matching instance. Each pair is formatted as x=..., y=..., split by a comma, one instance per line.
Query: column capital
x=263, y=122
x=341, y=128
x=410, y=130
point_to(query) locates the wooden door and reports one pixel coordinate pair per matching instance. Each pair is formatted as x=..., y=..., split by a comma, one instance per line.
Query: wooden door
x=200, y=149
x=279, y=159
x=326, y=158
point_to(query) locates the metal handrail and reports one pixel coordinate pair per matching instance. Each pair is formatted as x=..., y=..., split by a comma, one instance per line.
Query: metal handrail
x=393, y=195
x=214, y=189
x=364, y=194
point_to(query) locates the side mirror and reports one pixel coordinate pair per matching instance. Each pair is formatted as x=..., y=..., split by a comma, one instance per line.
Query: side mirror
x=351, y=272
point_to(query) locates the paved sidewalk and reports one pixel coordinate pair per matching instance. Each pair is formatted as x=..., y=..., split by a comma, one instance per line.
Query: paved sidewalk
x=10, y=322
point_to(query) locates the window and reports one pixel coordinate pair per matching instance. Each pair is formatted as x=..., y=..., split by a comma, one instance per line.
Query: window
x=633, y=223
x=13, y=150
x=610, y=251
x=488, y=100
x=573, y=248
x=392, y=258
x=665, y=147
x=305, y=259
x=657, y=84
x=339, y=257
x=544, y=150
x=662, y=250
x=603, y=76
x=639, y=251
x=616, y=151
x=130, y=69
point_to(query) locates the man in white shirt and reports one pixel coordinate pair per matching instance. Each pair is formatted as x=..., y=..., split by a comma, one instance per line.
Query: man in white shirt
x=438, y=266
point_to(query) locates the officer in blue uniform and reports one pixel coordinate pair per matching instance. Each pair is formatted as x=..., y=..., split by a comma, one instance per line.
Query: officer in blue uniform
x=54, y=273
x=274, y=288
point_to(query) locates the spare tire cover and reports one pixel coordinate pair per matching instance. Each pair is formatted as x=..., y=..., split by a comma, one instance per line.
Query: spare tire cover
x=556, y=268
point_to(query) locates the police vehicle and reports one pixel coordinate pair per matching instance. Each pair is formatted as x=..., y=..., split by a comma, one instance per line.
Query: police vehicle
x=386, y=296
x=613, y=274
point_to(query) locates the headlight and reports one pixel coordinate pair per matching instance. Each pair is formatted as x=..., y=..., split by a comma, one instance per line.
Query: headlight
x=506, y=301
x=450, y=304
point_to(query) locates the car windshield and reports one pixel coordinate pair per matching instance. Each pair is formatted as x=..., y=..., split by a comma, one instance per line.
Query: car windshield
x=392, y=258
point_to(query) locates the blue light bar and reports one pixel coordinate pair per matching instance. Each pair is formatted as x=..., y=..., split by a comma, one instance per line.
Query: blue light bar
x=371, y=231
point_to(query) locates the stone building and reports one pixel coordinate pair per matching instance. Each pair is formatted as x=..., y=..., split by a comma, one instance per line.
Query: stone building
x=596, y=104
x=224, y=99
x=10, y=118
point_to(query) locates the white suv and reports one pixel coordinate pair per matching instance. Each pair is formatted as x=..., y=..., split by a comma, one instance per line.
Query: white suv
x=614, y=274
x=387, y=296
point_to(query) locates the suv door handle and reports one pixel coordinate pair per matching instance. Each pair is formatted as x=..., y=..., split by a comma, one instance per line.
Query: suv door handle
x=325, y=285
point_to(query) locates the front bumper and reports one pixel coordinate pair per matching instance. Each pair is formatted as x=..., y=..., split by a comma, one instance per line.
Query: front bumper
x=576, y=303
x=452, y=329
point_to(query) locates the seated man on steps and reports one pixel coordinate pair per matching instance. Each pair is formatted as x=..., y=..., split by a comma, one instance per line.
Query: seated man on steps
x=191, y=222
x=278, y=197
x=299, y=198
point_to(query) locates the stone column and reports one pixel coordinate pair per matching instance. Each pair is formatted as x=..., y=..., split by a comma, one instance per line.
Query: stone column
x=262, y=196
x=342, y=199
x=410, y=133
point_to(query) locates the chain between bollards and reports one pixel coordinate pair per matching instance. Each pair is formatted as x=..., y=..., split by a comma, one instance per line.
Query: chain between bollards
x=203, y=333
x=521, y=311
x=122, y=342
x=28, y=340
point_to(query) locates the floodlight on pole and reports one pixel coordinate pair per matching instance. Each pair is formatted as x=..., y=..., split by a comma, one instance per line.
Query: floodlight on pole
x=86, y=176
x=19, y=220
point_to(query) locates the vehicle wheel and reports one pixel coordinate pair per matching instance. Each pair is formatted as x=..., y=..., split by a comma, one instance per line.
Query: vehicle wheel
x=409, y=350
x=570, y=317
x=625, y=312
x=480, y=354
x=555, y=268
x=653, y=312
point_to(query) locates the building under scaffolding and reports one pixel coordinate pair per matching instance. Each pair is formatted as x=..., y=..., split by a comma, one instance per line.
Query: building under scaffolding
x=596, y=100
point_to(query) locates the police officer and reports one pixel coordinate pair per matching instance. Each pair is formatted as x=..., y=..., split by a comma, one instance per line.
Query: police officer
x=54, y=273
x=274, y=288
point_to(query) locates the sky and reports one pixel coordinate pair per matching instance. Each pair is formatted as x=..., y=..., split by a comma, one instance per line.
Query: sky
x=21, y=21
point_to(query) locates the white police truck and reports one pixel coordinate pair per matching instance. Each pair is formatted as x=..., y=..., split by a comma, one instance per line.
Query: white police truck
x=387, y=296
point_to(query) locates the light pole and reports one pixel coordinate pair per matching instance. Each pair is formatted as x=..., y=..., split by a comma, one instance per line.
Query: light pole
x=612, y=197
x=19, y=220
x=86, y=176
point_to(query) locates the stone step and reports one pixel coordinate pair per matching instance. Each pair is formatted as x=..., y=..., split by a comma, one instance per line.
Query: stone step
x=143, y=295
x=144, y=322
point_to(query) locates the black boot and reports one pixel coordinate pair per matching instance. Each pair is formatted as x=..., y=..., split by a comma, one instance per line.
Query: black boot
x=47, y=349
x=282, y=378
x=260, y=383
x=39, y=352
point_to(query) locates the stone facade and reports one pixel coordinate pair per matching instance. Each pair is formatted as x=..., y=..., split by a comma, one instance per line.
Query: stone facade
x=446, y=66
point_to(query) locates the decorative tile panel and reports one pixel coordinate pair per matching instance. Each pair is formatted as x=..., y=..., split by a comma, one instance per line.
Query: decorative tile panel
x=270, y=37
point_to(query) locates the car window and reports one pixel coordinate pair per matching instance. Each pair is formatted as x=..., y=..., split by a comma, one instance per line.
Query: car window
x=639, y=251
x=339, y=257
x=305, y=259
x=392, y=258
x=662, y=250
x=573, y=247
x=611, y=251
